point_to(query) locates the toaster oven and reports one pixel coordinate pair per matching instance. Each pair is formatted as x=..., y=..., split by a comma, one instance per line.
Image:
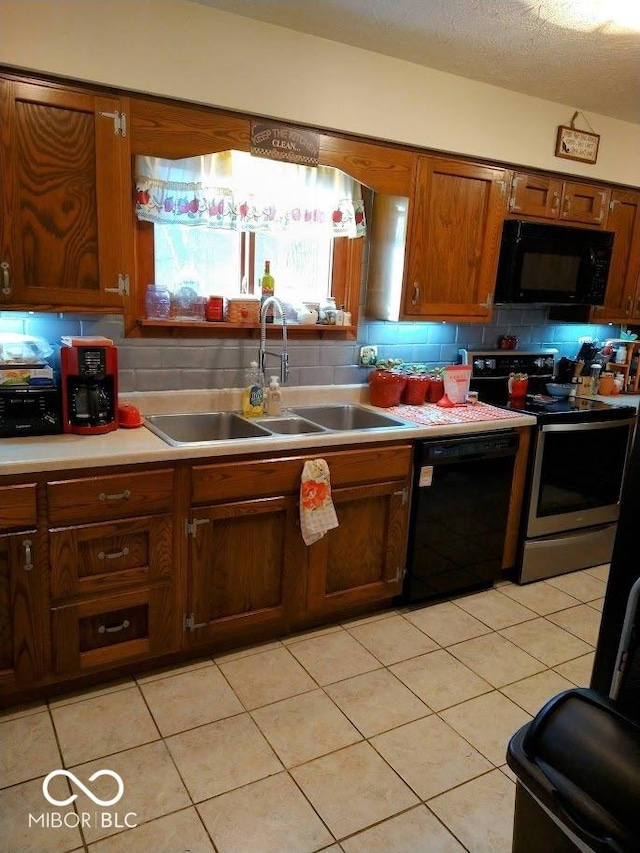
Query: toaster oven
x=30, y=410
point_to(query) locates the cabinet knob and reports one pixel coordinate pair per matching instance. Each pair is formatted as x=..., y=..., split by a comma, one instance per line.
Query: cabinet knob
x=416, y=294
x=567, y=205
x=113, y=555
x=555, y=204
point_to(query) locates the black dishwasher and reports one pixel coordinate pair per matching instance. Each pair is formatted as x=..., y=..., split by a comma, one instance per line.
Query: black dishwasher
x=459, y=508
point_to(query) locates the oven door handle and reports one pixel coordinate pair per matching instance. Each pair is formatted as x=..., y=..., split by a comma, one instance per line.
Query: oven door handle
x=585, y=425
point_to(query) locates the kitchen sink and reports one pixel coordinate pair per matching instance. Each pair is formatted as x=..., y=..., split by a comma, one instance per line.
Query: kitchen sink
x=202, y=428
x=195, y=428
x=346, y=417
x=290, y=425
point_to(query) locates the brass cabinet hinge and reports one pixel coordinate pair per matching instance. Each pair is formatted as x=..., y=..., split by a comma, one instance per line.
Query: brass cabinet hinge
x=119, y=122
x=191, y=527
x=123, y=288
x=189, y=622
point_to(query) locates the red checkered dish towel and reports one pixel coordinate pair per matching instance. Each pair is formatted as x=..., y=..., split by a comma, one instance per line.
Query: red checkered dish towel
x=317, y=512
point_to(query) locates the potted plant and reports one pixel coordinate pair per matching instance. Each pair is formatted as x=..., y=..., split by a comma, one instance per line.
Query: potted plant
x=386, y=383
x=435, y=391
x=415, y=391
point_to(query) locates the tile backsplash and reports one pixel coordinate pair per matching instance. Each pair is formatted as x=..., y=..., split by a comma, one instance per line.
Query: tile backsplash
x=166, y=365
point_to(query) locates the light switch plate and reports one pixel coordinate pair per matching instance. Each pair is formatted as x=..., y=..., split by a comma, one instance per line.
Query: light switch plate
x=368, y=355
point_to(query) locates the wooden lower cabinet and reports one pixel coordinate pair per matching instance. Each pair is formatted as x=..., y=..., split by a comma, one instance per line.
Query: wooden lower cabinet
x=22, y=573
x=243, y=557
x=362, y=560
x=249, y=567
x=111, y=580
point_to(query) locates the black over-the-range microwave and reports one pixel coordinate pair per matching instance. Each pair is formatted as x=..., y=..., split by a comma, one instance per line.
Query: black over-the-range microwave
x=553, y=264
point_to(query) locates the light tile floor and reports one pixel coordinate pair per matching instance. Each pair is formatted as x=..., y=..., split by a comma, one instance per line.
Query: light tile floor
x=385, y=734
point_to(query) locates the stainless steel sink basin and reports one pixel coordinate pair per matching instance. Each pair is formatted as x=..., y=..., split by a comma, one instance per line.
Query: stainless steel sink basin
x=202, y=428
x=346, y=417
x=290, y=425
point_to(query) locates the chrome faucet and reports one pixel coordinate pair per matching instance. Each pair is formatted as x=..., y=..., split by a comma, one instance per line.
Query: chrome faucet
x=283, y=355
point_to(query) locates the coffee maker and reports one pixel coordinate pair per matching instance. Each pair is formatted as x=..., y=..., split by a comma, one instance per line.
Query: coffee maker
x=89, y=381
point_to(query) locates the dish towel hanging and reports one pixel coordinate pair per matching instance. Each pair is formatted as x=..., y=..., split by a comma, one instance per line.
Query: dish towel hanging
x=317, y=512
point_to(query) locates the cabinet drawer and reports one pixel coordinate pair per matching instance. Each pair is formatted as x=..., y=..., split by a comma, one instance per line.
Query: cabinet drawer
x=109, y=496
x=99, y=557
x=18, y=506
x=277, y=476
x=112, y=629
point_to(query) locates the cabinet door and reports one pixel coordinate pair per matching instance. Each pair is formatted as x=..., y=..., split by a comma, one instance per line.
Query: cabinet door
x=22, y=636
x=584, y=203
x=363, y=559
x=455, y=232
x=535, y=195
x=621, y=300
x=243, y=555
x=65, y=195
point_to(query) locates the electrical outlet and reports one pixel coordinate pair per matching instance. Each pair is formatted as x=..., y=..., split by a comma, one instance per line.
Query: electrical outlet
x=368, y=355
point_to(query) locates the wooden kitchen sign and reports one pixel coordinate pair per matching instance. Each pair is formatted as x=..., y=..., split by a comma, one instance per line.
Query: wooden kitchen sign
x=575, y=144
x=281, y=142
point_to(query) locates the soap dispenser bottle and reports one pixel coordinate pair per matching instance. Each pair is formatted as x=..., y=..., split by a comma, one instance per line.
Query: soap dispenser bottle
x=274, y=397
x=253, y=395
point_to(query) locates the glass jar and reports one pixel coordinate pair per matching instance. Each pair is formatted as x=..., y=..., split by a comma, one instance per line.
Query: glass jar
x=157, y=302
x=385, y=388
x=415, y=391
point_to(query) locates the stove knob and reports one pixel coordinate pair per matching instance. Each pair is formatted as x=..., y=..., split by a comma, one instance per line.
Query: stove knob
x=539, y=362
x=491, y=363
x=479, y=363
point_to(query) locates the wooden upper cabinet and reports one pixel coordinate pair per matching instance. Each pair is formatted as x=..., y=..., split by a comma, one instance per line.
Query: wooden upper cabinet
x=66, y=194
x=454, y=240
x=622, y=300
x=545, y=197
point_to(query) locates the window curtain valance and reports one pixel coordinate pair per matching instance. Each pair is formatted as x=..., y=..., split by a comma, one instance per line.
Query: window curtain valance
x=235, y=191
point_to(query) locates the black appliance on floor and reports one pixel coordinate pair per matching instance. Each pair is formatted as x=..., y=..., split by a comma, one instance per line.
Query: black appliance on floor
x=460, y=504
x=578, y=762
x=576, y=468
x=624, y=572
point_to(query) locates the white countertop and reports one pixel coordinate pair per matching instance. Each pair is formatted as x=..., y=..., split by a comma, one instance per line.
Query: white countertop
x=135, y=446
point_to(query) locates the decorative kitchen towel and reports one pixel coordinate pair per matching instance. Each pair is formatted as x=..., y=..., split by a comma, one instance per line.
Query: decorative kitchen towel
x=317, y=512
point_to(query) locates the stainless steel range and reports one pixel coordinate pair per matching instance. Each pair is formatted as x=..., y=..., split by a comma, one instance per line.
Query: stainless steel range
x=576, y=468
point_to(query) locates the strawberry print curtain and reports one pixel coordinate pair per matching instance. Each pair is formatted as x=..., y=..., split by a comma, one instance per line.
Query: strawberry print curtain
x=236, y=191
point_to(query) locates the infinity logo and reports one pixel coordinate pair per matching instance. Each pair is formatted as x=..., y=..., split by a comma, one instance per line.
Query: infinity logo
x=96, y=775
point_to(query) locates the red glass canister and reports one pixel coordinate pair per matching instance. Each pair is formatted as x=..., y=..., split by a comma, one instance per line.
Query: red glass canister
x=415, y=391
x=214, y=309
x=435, y=391
x=385, y=388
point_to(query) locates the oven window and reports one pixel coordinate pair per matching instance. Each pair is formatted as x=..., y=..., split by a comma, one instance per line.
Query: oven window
x=581, y=469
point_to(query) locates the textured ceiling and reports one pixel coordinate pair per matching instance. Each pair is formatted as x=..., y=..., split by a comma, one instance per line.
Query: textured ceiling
x=507, y=43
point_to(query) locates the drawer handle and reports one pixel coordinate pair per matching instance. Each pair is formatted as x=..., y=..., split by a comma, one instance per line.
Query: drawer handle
x=6, y=279
x=28, y=560
x=114, y=630
x=113, y=555
x=123, y=496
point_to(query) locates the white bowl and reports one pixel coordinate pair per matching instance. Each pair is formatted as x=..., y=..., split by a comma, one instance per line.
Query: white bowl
x=559, y=390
